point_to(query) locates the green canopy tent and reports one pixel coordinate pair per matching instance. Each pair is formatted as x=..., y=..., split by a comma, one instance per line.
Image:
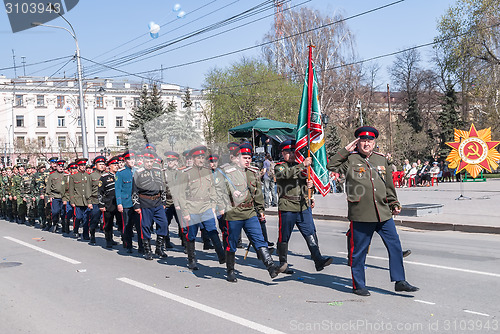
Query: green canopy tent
x=279, y=131
x=276, y=130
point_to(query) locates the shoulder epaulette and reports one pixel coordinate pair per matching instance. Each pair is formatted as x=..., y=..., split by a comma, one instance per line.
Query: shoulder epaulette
x=379, y=153
x=123, y=168
x=186, y=169
x=224, y=165
x=181, y=168
x=230, y=169
x=279, y=163
x=52, y=172
x=105, y=174
x=253, y=169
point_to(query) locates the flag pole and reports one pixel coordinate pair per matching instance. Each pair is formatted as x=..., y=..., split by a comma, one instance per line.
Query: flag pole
x=310, y=79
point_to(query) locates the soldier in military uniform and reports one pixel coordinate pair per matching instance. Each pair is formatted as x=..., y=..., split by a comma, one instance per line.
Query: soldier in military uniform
x=39, y=187
x=149, y=198
x=48, y=205
x=293, y=206
x=17, y=200
x=9, y=199
x=372, y=201
x=218, y=178
x=3, y=193
x=123, y=191
x=56, y=187
x=24, y=196
x=198, y=199
x=107, y=201
x=242, y=184
x=94, y=214
x=170, y=171
x=79, y=194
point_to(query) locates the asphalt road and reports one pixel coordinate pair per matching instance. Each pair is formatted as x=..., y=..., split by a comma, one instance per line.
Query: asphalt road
x=55, y=284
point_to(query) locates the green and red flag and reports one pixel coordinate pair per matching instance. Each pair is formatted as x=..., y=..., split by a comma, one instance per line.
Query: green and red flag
x=310, y=138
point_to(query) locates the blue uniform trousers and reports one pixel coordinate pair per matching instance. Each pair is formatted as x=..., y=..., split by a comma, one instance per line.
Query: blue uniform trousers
x=56, y=210
x=360, y=238
x=93, y=216
x=68, y=211
x=131, y=219
x=204, y=220
x=156, y=214
x=81, y=213
x=252, y=228
x=288, y=220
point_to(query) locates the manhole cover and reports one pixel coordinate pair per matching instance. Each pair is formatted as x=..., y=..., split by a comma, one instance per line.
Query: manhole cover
x=9, y=264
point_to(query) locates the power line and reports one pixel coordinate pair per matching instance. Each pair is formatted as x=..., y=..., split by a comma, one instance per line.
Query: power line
x=33, y=64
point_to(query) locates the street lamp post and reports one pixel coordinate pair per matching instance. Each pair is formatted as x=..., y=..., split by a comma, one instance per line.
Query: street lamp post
x=360, y=112
x=85, y=149
x=106, y=152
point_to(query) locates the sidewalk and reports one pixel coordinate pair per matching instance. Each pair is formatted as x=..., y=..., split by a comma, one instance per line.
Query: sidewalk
x=480, y=214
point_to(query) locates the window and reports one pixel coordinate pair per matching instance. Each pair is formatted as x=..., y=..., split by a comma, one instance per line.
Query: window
x=80, y=141
x=61, y=141
x=40, y=121
x=79, y=122
x=118, y=102
x=60, y=101
x=100, y=121
x=20, y=121
x=119, y=141
x=19, y=100
x=61, y=121
x=197, y=123
x=137, y=102
x=41, y=142
x=20, y=141
x=197, y=106
x=100, y=141
x=40, y=101
x=99, y=102
x=119, y=121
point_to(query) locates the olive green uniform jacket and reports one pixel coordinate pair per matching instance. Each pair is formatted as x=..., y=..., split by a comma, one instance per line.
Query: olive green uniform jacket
x=196, y=191
x=292, y=187
x=80, y=189
x=371, y=195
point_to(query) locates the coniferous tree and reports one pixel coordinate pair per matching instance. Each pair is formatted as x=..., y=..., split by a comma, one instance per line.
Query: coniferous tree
x=140, y=115
x=413, y=115
x=332, y=140
x=189, y=133
x=448, y=119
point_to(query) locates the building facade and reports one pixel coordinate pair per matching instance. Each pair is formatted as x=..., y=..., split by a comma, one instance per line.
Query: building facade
x=40, y=116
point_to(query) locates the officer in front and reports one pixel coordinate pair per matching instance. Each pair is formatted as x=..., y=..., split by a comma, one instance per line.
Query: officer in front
x=372, y=201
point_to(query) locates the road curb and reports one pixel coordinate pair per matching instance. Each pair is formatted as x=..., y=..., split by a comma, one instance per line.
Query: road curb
x=419, y=225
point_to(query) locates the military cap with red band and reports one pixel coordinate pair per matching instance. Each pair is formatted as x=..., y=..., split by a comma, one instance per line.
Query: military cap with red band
x=61, y=162
x=150, y=146
x=99, y=158
x=128, y=154
x=287, y=145
x=198, y=150
x=171, y=155
x=53, y=160
x=366, y=132
x=213, y=157
x=232, y=146
x=150, y=154
x=72, y=166
x=81, y=161
x=244, y=149
x=112, y=161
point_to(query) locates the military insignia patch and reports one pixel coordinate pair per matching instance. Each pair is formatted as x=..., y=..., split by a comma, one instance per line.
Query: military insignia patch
x=100, y=183
x=281, y=168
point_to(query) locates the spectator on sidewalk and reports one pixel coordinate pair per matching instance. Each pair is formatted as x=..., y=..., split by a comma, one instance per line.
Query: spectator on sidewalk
x=270, y=196
x=410, y=175
x=423, y=177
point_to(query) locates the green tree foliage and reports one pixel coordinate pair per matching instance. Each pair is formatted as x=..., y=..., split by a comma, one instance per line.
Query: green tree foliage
x=140, y=115
x=332, y=139
x=409, y=144
x=413, y=116
x=244, y=91
x=448, y=119
x=468, y=53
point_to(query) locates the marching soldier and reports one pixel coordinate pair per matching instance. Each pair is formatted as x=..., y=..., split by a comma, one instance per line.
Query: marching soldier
x=48, y=205
x=24, y=197
x=94, y=214
x=172, y=160
x=107, y=201
x=39, y=187
x=242, y=183
x=149, y=199
x=198, y=199
x=16, y=185
x=293, y=206
x=9, y=196
x=372, y=201
x=79, y=193
x=56, y=188
x=123, y=191
x=3, y=193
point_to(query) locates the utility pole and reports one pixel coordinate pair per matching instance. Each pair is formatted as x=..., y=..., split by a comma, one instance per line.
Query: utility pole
x=14, y=60
x=23, y=61
x=390, y=123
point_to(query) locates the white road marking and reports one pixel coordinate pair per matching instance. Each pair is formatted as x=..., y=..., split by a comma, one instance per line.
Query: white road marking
x=341, y=284
x=218, y=313
x=436, y=266
x=41, y=250
x=424, y=302
x=478, y=313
